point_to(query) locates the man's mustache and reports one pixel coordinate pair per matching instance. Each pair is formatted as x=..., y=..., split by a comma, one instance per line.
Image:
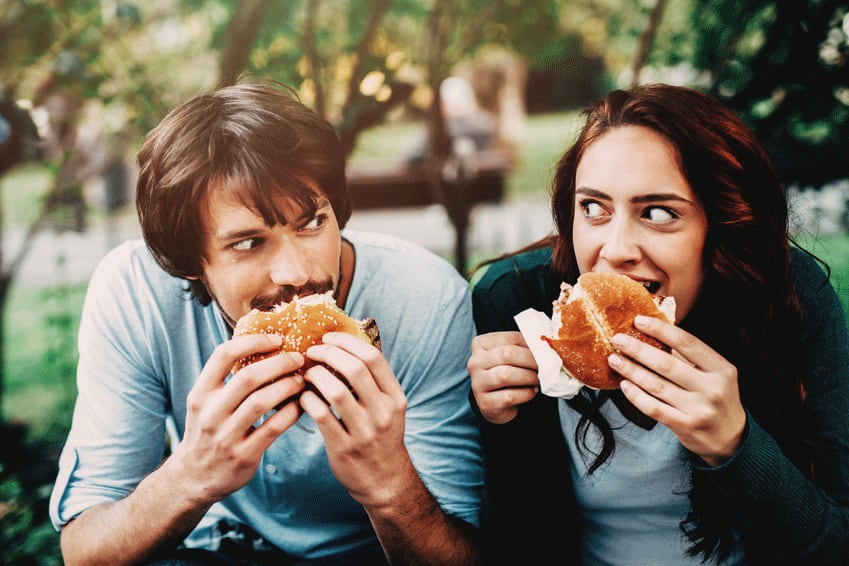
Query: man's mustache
x=288, y=292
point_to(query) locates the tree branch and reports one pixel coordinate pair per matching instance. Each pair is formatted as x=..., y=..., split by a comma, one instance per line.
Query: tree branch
x=311, y=52
x=646, y=40
x=375, y=16
x=241, y=36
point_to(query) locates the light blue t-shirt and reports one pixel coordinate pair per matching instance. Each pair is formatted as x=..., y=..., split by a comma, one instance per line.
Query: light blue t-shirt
x=632, y=505
x=143, y=342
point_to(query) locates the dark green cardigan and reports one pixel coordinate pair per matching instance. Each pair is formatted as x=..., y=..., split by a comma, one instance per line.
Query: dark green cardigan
x=529, y=515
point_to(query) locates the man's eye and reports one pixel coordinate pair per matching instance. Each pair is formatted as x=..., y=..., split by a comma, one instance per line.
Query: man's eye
x=246, y=244
x=660, y=214
x=316, y=222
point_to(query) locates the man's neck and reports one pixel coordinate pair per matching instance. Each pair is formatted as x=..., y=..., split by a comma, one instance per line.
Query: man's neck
x=346, y=272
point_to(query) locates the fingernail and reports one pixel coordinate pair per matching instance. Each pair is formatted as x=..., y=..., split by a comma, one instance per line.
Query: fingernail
x=619, y=340
x=641, y=320
x=614, y=360
x=329, y=337
x=275, y=339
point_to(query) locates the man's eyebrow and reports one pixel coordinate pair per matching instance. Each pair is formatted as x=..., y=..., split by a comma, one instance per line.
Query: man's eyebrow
x=321, y=202
x=237, y=234
x=306, y=215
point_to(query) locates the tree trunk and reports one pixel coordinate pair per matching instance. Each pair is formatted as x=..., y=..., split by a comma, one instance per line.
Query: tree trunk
x=241, y=36
x=646, y=40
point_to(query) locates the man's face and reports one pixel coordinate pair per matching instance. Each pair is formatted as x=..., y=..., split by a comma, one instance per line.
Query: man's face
x=251, y=265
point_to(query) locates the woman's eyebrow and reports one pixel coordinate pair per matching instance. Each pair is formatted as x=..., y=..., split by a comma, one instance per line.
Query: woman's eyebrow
x=592, y=192
x=659, y=197
x=640, y=199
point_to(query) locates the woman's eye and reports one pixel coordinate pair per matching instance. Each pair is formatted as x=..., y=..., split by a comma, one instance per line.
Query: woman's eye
x=660, y=214
x=592, y=209
x=246, y=244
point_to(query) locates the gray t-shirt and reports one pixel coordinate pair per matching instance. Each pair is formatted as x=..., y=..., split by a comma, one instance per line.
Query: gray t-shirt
x=631, y=507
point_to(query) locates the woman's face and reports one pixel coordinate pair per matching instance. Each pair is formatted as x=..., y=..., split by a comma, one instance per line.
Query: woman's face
x=635, y=214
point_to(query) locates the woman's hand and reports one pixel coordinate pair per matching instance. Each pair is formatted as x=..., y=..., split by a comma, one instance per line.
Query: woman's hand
x=692, y=390
x=504, y=375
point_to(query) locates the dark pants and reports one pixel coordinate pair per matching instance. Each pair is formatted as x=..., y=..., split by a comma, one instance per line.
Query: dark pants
x=198, y=557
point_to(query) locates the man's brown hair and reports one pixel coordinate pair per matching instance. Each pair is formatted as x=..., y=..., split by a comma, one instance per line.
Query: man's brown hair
x=254, y=139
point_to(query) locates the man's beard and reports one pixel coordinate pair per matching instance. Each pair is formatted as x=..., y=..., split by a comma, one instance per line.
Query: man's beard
x=284, y=294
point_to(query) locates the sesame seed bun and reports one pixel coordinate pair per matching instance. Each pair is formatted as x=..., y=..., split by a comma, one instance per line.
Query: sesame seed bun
x=302, y=323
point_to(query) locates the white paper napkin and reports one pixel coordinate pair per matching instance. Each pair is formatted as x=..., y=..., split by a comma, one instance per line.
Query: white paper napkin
x=553, y=379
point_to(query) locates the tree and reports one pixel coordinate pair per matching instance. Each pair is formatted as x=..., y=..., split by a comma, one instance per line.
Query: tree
x=354, y=61
x=794, y=91
x=64, y=66
x=646, y=40
x=781, y=66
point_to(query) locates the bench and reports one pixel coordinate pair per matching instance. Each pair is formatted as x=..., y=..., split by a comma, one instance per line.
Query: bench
x=466, y=181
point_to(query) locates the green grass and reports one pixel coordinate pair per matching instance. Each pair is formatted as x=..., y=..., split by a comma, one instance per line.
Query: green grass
x=40, y=355
x=21, y=193
x=545, y=138
x=387, y=143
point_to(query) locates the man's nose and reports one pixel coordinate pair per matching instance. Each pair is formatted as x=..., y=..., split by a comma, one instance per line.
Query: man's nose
x=622, y=244
x=290, y=266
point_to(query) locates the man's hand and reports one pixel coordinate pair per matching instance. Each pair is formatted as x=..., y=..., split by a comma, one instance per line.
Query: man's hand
x=363, y=422
x=362, y=425
x=220, y=451
x=223, y=444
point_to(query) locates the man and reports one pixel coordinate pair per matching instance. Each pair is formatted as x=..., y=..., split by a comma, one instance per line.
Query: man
x=242, y=200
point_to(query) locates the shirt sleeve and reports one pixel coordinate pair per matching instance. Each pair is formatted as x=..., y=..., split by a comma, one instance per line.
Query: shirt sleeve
x=117, y=435
x=442, y=434
x=790, y=516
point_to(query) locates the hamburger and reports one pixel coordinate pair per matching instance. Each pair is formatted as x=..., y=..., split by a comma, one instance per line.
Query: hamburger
x=302, y=323
x=587, y=315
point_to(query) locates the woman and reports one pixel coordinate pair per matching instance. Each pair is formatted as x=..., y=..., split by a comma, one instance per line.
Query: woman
x=734, y=448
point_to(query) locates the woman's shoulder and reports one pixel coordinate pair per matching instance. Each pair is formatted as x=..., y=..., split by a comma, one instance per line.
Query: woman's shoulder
x=811, y=280
x=817, y=296
x=512, y=269
x=805, y=268
x=511, y=284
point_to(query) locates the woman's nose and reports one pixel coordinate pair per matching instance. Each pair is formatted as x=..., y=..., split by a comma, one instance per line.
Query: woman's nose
x=621, y=244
